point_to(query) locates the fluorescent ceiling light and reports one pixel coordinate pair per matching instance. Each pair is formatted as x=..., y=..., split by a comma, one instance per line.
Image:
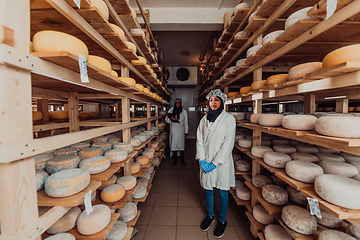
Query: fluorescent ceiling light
x=335, y=97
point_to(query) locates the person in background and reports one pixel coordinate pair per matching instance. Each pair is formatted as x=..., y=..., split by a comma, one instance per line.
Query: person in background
x=214, y=145
x=178, y=120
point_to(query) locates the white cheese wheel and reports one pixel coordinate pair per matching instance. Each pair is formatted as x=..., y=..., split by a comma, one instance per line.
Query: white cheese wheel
x=276, y=159
x=259, y=151
x=242, y=165
x=284, y=149
x=95, y=164
x=356, y=177
x=106, y=146
x=299, y=219
x=102, y=7
x=135, y=142
x=148, y=153
x=306, y=149
x=131, y=46
x=129, y=81
x=135, y=167
x=303, y=171
x=128, y=212
x=262, y=216
x=143, y=159
x=299, y=71
x=67, y=182
x=155, y=161
x=140, y=192
x=245, y=143
x=278, y=181
x=299, y=122
x=356, y=164
x=253, y=50
x=353, y=231
x=95, y=222
x=127, y=181
x=147, y=176
x=41, y=160
x=110, y=181
x=276, y=79
x=90, y=152
x=341, y=55
x=329, y=157
x=100, y=63
x=329, y=220
x=327, y=150
x=241, y=62
x=258, y=84
x=151, y=169
x=276, y=232
x=40, y=177
x=116, y=155
x=350, y=157
x=118, y=232
x=66, y=222
x=112, y=193
x=306, y=157
x=271, y=120
x=81, y=145
x=61, y=236
x=294, y=142
x=254, y=118
x=260, y=181
x=238, y=183
x=338, y=168
x=143, y=181
x=241, y=5
x=296, y=196
x=242, y=34
x=53, y=41
x=278, y=141
x=275, y=195
x=272, y=36
x=63, y=162
x=118, y=30
x=137, y=31
x=334, y=235
x=297, y=16
x=252, y=15
x=338, y=190
x=238, y=115
x=243, y=193
x=66, y=151
x=114, y=140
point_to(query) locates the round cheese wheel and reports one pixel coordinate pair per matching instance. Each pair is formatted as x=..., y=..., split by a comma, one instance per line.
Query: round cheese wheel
x=329, y=157
x=350, y=157
x=303, y=171
x=66, y=222
x=110, y=181
x=106, y=146
x=100, y=63
x=353, y=230
x=95, y=164
x=299, y=122
x=329, y=220
x=81, y=145
x=334, y=235
x=128, y=212
x=258, y=84
x=137, y=31
x=128, y=147
x=99, y=139
x=67, y=182
x=243, y=193
x=272, y=36
x=53, y=41
x=296, y=196
x=61, y=236
x=306, y=157
x=299, y=71
x=63, y=162
x=147, y=176
x=127, y=181
x=59, y=115
x=238, y=115
x=262, y=216
x=90, y=152
x=259, y=151
x=155, y=161
x=140, y=192
x=338, y=168
x=151, y=149
x=118, y=232
x=242, y=165
x=95, y=222
x=252, y=50
x=36, y=115
x=112, y=193
x=41, y=160
x=151, y=169
x=118, y=30
x=129, y=81
x=297, y=16
x=276, y=159
x=327, y=150
x=135, y=142
x=135, y=167
x=356, y=177
x=116, y=155
x=284, y=149
x=40, y=177
x=114, y=140
x=238, y=183
x=294, y=142
x=276, y=232
x=130, y=45
x=274, y=194
x=278, y=181
x=254, y=118
x=306, y=149
x=299, y=219
x=232, y=94
x=141, y=60
x=242, y=34
x=102, y=7
x=140, y=87
x=266, y=143
x=260, y=181
x=143, y=159
x=276, y=79
x=116, y=75
x=66, y=151
x=277, y=141
x=245, y=143
x=154, y=145
x=271, y=120
x=356, y=164
x=241, y=62
x=341, y=55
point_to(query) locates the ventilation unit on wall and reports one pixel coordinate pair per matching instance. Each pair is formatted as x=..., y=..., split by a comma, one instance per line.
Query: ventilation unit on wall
x=182, y=76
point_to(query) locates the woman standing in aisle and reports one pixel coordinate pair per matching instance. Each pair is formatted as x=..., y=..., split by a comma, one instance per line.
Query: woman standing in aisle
x=214, y=145
x=178, y=120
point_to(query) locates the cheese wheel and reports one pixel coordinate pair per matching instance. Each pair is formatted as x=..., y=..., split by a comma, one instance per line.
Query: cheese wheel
x=66, y=151
x=306, y=149
x=66, y=222
x=106, y=146
x=127, y=181
x=272, y=36
x=276, y=79
x=135, y=142
x=151, y=169
x=137, y=31
x=303, y=171
x=334, y=235
x=297, y=16
x=238, y=115
x=154, y=145
x=135, y=167
x=128, y=212
x=141, y=60
x=260, y=181
x=100, y=63
x=329, y=220
x=299, y=71
x=299, y=219
x=258, y=84
x=151, y=149
x=61, y=236
x=356, y=164
x=67, y=182
x=155, y=161
x=60, y=163
x=232, y=94
x=299, y=122
x=53, y=41
x=356, y=177
x=266, y=143
x=294, y=142
x=110, y=181
x=143, y=159
x=350, y=157
x=243, y=193
x=329, y=157
x=118, y=232
x=242, y=165
x=95, y=164
x=81, y=145
x=131, y=46
x=112, y=193
x=296, y=196
x=271, y=120
x=36, y=115
x=92, y=114
x=99, y=139
x=278, y=141
x=140, y=87
x=338, y=168
x=262, y=216
x=242, y=34
x=259, y=151
x=274, y=194
x=284, y=149
x=254, y=118
x=341, y=55
x=336, y=126
x=252, y=50
x=327, y=150
x=129, y=81
x=41, y=160
x=40, y=178
x=141, y=137
x=90, y=152
x=353, y=230
x=140, y=192
x=118, y=30
x=306, y=157
x=114, y=140
x=147, y=176
x=115, y=74
x=276, y=159
x=116, y=155
x=102, y=7
x=275, y=232
x=245, y=143
x=95, y=222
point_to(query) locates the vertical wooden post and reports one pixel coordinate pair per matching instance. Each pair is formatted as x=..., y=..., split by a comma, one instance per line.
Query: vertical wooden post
x=226, y=91
x=257, y=106
x=156, y=115
x=309, y=103
x=342, y=105
x=117, y=110
x=43, y=106
x=258, y=72
x=73, y=109
x=133, y=112
x=125, y=104
x=148, y=115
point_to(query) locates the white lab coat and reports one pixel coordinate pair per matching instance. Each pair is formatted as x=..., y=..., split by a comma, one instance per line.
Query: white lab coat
x=215, y=142
x=177, y=131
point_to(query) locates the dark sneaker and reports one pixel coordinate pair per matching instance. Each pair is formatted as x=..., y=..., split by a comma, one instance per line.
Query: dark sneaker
x=174, y=164
x=183, y=164
x=205, y=225
x=220, y=229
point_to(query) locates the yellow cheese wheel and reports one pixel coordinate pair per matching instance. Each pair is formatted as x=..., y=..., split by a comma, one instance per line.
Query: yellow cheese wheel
x=53, y=41
x=127, y=181
x=258, y=84
x=66, y=151
x=60, y=163
x=112, y=193
x=118, y=30
x=276, y=79
x=108, y=182
x=95, y=165
x=142, y=160
x=114, y=140
x=92, y=114
x=114, y=73
x=152, y=149
x=96, y=221
x=245, y=90
x=90, y=152
x=357, y=109
x=36, y=115
x=350, y=109
x=100, y=63
x=140, y=87
x=130, y=45
x=99, y=139
x=146, y=90
x=66, y=222
x=328, y=109
x=129, y=81
x=141, y=60
x=83, y=115
x=135, y=167
x=232, y=94
x=149, y=154
x=41, y=160
x=101, y=6
x=299, y=71
x=59, y=115
x=341, y=55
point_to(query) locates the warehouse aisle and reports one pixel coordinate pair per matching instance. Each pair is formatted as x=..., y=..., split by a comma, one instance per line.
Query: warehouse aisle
x=175, y=206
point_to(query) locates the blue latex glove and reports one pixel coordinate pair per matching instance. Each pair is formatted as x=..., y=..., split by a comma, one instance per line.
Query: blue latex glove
x=207, y=167
x=203, y=164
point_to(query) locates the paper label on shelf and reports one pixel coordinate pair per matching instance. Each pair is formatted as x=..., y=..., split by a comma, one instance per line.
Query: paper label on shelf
x=228, y=102
x=88, y=206
x=83, y=69
x=237, y=100
x=330, y=7
x=314, y=207
x=77, y=2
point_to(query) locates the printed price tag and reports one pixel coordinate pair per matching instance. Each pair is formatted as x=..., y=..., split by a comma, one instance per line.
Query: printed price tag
x=77, y=2
x=88, y=206
x=330, y=7
x=314, y=207
x=83, y=69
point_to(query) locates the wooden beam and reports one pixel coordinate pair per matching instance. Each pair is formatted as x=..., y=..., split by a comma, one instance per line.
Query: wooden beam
x=309, y=103
x=342, y=105
x=257, y=106
x=148, y=115
x=73, y=109
x=7, y=35
x=50, y=126
x=48, y=94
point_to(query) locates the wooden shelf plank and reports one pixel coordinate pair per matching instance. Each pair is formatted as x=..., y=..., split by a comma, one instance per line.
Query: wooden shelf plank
x=122, y=202
x=71, y=201
x=254, y=58
x=261, y=236
x=237, y=172
x=121, y=6
x=336, y=70
x=350, y=142
x=257, y=22
x=292, y=182
x=319, y=10
x=129, y=21
x=240, y=14
x=141, y=42
x=247, y=177
x=96, y=20
x=137, y=148
x=269, y=6
x=132, y=223
x=242, y=149
x=238, y=201
x=297, y=29
x=129, y=233
x=104, y=176
x=258, y=226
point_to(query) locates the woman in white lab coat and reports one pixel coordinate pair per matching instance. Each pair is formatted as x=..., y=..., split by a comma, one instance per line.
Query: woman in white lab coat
x=214, y=145
x=178, y=120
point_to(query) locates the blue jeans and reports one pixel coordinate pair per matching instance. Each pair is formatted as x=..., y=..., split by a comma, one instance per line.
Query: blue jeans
x=223, y=202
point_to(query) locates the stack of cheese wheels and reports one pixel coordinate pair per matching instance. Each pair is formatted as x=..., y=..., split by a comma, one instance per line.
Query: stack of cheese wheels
x=95, y=164
x=260, y=181
x=299, y=122
x=245, y=90
x=262, y=216
x=53, y=41
x=303, y=171
x=59, y=115
x=113, y=193
x=275, y=195
x=129, y=81
x=36, y=115
x=61, y=236
x=258, y=84
x=135, y=167
x=128, y=212
x=276, y=79
x=127, y=181
x=100, y=63
x=116, y=155
x=99, y=139
x=243, y=193
x=106, y=146
x=275, y=232
x=66, y=222
x=90, y=152
x=118, y=30
x=297, y=16
x=143, y=159
x=296, y=196
x=95, y=222
x=66, y=151
x=271, y=120
x=101, y=6
x=60, y=163
x=272, y=36
x=299, y=219
x=67, y=182
x=118, y=232
x=276, y=159
x=252, y=50
x=307, y=157
x=41, y=160
x=41, y=177
x=131, y=46
x=338, y=126
x=110, y=181
x=299, y=71
x=341, y=55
